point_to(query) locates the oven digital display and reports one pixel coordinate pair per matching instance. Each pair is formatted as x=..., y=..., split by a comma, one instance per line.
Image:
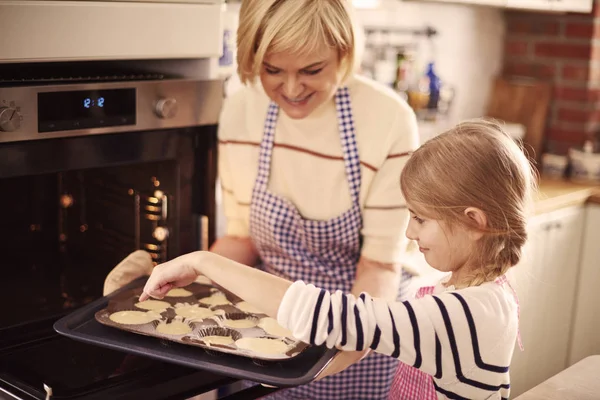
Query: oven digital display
x=84, y=109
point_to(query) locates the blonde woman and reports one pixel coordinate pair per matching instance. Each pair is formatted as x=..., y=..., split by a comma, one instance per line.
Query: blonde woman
x=469, y=191
x=309, y=160
x=310, y=156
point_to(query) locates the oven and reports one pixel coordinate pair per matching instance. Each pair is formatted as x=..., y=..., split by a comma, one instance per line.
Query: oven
x=96, y=162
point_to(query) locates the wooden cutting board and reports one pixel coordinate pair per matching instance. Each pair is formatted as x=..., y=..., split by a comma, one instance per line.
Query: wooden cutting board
x=524, y=101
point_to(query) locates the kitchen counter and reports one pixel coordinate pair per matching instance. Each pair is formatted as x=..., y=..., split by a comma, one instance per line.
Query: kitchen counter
x=557, y=194
x=580, y=381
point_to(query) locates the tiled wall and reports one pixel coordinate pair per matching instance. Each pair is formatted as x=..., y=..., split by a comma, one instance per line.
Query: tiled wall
x=468, y=49
x=563, y=49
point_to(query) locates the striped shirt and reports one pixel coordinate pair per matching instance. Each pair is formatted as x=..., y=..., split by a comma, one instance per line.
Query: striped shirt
x=463, y=338
x=307, y=166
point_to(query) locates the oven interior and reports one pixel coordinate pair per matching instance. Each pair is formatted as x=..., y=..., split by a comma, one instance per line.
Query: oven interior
x=66, y=222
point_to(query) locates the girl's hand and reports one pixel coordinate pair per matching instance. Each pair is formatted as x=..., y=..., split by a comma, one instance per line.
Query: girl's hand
x=178, y=272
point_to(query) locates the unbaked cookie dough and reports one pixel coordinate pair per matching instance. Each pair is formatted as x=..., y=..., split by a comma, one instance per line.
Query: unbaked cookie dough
x=133, y=317
x=262, y=345
x=247, y=308
x=220, y=340
x=239, y=323
x=271, y=326
x=174, y=328
x=179, y=292
x=217, y=299
x=194, y=312
x=154, y=305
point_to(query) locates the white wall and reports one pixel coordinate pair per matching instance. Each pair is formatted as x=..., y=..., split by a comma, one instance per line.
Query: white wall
x=468, y=48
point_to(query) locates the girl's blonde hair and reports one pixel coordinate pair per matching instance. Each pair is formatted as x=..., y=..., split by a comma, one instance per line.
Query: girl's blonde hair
x=295, y=26
x=475, y=164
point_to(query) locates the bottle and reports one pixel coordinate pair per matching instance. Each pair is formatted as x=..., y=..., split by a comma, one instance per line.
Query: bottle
x=434, y=87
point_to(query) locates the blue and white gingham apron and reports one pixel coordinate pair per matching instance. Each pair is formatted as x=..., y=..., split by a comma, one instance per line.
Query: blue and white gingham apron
x=324, y=253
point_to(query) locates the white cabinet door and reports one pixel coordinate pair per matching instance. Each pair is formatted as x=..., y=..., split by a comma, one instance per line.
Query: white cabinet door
x=585, y=338
x=546, y=284
x=530, y=4
x=583, y=6
x=561, y=275
x=525, y=277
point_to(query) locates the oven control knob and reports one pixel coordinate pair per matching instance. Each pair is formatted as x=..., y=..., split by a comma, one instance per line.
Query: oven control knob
x=166, y=107
x=10, y=119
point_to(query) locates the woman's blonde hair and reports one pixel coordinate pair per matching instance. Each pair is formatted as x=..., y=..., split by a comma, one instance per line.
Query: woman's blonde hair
x=294, y=26
x=475, y=164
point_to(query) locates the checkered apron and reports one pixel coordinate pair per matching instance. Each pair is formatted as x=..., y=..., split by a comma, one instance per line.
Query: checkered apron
x=411, y=383
x=324, y=253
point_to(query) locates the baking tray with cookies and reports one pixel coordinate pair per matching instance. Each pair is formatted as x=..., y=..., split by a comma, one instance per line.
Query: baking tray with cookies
x=201, y=326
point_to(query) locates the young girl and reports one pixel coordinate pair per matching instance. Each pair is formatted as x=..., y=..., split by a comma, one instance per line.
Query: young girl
x=467, y=191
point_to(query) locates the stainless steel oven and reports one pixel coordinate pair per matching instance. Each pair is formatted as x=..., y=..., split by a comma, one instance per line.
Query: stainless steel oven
x=96, y=162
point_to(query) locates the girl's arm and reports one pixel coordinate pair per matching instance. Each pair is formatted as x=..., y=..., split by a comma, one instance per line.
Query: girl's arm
x=448, y=335
x=259, y=288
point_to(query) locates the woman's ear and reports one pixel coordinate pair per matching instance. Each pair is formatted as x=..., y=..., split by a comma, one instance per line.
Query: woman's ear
x=480, y=221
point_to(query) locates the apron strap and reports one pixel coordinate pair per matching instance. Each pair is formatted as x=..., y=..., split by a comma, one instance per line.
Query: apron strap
x=347, y=137
x=266, y=147
x=348, y=140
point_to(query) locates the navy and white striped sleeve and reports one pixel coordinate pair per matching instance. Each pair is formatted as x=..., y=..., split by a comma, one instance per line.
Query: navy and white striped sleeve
x=433, y=333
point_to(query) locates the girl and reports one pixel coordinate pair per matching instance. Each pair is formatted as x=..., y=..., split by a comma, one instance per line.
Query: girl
x=467, y=191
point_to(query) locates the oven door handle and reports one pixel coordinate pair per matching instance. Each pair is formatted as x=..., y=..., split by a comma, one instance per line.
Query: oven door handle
x=202, y=232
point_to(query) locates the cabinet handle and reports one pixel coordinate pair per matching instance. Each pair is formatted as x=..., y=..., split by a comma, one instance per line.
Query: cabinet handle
x=558, y=225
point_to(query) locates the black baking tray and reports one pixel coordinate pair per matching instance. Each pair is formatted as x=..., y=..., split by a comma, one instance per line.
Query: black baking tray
x=81, y=325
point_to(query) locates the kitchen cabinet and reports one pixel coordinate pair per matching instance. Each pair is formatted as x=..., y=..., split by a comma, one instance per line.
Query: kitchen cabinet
x=585, y=338
x=544, y=5
x=582, y=6
x=491, y=3
x=546, y=281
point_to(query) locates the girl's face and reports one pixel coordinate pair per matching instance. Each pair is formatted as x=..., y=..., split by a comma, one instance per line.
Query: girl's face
x=300, y=84
x=446, y=248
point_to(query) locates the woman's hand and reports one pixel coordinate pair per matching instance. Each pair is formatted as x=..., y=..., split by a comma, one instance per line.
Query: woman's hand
x=134, y=266
x=178, y=272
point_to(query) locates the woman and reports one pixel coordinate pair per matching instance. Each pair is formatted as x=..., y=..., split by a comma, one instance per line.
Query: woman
x=309, y=160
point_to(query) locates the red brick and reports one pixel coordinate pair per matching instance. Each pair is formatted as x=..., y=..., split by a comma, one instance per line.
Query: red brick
x=573, y=115
x=562, y=50
x=533, y=70
x=570, y=94
x=575, y=72
x=515, y=47
x=564, y=135
x=516, y=69
x=532, y=26
x=580, y=29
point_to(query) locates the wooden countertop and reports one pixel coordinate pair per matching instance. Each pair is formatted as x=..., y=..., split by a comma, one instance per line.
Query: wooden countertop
x=557, y=194
x=580, y=381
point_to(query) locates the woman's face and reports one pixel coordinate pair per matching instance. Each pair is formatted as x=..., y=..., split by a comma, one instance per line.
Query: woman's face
x=300, y=84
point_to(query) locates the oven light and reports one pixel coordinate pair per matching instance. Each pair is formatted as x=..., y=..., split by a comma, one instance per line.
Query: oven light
x=160, y=233
x=158, y=193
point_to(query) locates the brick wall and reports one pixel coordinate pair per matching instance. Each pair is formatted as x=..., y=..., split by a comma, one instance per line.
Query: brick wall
x=564, y=50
